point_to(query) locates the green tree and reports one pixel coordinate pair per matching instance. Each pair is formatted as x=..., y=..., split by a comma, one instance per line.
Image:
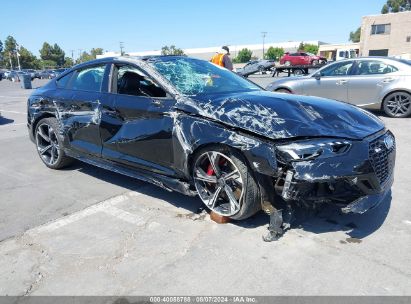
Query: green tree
x=395, y=6
x=274, y=53
x=52, y=53
x=310, y=48
x=9, y=52
x=84, y=57
x=171, y=50
x=243, y=56
x=27, y=59
x=355, y=36
x=68, y=62
x=96, y=51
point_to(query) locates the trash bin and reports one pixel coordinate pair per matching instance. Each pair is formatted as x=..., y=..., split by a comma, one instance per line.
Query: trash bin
x=25, y=80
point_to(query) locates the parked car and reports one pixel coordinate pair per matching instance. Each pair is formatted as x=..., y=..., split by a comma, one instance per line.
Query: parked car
x=370, y=82
x=187, y=125
x=33, y=73
x=47, y=74
x=302, y=58
x=15, y=75
x=1, y=75
x=255, y=66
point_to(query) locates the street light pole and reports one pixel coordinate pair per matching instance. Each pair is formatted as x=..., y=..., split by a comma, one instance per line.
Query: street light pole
x=121, y=48
x=263, y=34
x=18, y=56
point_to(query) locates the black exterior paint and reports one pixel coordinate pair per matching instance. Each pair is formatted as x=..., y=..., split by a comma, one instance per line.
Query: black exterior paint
x=154, y=139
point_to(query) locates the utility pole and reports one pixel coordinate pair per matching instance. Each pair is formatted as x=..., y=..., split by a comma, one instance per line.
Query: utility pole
x=263, y=34
x=18, y=56
x=72, y=55
x=11, y=63
x=121, y=48
x=79, y=54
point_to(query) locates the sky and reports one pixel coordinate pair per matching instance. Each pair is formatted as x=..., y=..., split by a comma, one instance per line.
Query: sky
x=150, y=24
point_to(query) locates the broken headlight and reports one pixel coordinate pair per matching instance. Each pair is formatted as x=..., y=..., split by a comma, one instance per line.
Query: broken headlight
x=312, y=149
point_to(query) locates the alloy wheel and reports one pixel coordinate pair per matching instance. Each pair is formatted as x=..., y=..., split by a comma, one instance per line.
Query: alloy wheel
x=398, y=104
x=218, y=182
x=47, y=144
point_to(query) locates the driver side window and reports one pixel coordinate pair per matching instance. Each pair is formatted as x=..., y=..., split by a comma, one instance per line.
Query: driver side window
x=131, y=81
x=338, y=69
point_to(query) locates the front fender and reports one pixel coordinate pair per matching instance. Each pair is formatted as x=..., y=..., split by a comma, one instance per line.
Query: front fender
x=192, y=132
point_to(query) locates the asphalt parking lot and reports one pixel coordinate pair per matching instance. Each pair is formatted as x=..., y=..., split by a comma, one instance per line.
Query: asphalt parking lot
x=87, y=231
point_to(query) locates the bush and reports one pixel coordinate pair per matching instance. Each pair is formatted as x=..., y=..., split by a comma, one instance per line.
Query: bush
x=274, y=53
x=243, y=56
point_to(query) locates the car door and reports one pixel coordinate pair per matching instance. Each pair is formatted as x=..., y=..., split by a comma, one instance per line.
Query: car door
x=369, y=79
x=330, y=82
x=79, y=109
x=140, y=133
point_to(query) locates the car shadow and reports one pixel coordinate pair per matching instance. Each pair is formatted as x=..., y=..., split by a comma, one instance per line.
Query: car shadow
x=191, y=204
x=330, y=218
x=327, y=219
x=5, y=121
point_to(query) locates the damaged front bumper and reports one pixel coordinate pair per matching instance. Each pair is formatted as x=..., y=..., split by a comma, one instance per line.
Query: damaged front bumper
x=355, y=181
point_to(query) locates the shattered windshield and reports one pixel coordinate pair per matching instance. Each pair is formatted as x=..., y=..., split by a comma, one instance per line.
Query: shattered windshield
x=194, y=77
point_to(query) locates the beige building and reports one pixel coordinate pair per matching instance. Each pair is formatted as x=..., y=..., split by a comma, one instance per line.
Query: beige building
x=386, y=35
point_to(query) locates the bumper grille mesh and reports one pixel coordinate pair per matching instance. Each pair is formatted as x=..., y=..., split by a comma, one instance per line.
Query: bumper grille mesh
x=379, y=155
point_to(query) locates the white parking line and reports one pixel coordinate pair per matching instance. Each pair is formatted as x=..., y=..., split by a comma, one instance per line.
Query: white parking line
x=15, y=112
x=107, y=206
x=12, y=125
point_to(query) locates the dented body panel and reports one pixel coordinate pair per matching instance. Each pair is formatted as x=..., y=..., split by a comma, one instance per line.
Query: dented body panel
x=156, y=138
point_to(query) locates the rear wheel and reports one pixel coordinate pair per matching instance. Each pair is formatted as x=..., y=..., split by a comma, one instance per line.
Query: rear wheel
x=225, y=183
x=49, y=145
x=314, y=62
x=397, y=104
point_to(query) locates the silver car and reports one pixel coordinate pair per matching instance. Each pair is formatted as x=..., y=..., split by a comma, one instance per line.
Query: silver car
x=368, y=82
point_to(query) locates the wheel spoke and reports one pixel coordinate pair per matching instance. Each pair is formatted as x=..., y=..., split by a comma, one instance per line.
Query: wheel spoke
x=213, y=200
x=44, y=136
x=234, y=175
x=214, y=158
x=234, y=204
x=201, y=175
x=43, y=150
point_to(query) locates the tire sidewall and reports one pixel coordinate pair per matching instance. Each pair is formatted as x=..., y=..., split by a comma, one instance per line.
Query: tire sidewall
x=54, y=124
x=388, y=113
x=250, y=202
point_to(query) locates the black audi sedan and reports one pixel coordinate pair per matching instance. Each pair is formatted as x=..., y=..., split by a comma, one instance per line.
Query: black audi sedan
x=190, y=126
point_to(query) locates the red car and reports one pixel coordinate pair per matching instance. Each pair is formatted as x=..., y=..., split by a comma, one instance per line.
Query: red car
x=302, y=58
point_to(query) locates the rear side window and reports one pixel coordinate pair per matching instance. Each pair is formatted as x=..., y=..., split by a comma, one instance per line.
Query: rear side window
x=89, y=79
x=63, y=81
x=374, y=67
x=337, y=69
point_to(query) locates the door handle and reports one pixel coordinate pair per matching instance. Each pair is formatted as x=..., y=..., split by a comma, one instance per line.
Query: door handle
x=341, y=82
x=156, y=102
x=388, y=80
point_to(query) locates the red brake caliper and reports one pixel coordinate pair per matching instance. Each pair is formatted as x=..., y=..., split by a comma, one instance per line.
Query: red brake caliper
x=210, y=170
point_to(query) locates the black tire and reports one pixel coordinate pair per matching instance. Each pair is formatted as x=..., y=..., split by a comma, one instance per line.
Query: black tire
x=249, y=202
x=49, y=156
x=298, y=72
x=397, y=104
x=314, y=62
x=261, y=69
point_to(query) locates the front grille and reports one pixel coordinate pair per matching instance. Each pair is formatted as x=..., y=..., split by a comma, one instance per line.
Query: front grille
x=379, y=155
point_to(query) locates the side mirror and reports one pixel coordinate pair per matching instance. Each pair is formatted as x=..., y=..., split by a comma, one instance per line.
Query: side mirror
x=317, y=76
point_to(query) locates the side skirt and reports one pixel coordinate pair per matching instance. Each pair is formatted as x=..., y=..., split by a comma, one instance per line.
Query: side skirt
x=165, y=182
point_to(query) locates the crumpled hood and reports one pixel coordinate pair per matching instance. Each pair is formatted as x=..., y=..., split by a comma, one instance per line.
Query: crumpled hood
x=279, y=116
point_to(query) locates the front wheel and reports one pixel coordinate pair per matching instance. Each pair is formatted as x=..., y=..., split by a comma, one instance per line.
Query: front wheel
x=49, y=144
x=225, y=183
